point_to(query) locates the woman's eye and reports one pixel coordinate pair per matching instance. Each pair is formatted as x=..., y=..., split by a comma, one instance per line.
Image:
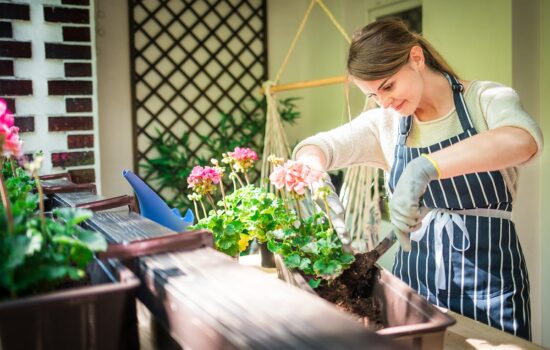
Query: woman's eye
x=388, y=87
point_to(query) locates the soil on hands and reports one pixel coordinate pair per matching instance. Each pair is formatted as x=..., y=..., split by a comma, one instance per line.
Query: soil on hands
x=351, y=291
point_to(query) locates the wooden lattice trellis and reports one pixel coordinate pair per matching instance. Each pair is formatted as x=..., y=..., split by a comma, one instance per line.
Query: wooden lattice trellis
x=192, y=61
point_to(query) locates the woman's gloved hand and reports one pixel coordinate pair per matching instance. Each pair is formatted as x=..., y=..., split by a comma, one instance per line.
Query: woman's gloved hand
x=336, y=210
x=405, y=211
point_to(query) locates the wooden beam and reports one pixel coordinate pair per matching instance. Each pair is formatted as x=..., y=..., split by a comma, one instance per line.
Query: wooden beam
x=307, y=84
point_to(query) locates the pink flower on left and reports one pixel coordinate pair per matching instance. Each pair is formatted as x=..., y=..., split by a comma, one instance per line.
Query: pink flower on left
x=9, y=134
x=203, y=179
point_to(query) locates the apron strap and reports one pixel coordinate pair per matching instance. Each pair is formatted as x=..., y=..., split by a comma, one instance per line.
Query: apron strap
x=405, y=125
x=460, y=104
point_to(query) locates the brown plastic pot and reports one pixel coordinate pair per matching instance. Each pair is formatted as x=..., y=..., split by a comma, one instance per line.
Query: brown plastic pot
x=99, y=316
x=408, y=318
x=267, y=256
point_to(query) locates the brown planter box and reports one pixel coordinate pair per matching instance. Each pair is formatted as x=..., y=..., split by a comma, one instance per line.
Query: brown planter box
x=408, y=318
x=99, y=316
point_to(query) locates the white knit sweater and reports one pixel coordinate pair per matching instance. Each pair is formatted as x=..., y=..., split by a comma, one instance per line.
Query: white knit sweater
x=371, y=137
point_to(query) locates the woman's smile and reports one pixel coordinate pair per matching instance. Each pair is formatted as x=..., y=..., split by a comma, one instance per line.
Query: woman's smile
x=399, y=106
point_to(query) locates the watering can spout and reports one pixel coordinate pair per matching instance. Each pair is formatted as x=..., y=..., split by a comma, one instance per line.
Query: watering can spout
x=154, y=208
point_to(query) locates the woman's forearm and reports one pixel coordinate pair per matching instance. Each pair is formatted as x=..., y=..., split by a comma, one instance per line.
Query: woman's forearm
x=492, y=150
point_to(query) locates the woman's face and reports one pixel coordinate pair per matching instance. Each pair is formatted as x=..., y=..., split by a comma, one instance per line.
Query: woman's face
x=400, y=92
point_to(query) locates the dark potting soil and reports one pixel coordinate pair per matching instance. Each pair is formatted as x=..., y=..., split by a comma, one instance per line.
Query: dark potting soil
x=351, y=291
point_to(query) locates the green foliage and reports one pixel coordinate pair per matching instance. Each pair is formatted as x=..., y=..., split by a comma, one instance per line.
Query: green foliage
x=249, y=212
x=172, y=167
x=311, y=246
x=247, y=128
x=176, y=159
x=42, y=253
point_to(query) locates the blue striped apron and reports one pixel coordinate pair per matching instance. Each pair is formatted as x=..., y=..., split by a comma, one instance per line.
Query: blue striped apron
x=466, y=256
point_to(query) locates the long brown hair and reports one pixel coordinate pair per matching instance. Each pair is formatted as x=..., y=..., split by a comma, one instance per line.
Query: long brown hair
x=379, y=49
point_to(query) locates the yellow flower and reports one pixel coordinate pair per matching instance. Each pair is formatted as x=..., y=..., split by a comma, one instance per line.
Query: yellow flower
x=243, y=242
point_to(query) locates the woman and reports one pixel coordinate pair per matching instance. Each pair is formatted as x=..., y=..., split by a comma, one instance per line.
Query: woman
x=449, y=145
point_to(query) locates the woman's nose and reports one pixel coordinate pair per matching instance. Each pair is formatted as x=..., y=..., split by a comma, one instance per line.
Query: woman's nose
x=386, y=101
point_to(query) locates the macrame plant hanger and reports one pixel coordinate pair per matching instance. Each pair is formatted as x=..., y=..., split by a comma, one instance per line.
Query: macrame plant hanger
x=359, y=194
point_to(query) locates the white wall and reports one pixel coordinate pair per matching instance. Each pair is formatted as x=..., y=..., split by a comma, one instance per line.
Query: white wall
x=526, y=81
x=113, y=74
x=543, y=203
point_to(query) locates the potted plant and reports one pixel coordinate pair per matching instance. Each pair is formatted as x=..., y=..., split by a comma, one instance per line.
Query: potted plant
x=46, y=261
x=311, y=252
x=244, y=212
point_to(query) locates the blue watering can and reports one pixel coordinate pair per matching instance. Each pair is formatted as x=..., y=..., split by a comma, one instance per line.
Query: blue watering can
x=154, y=208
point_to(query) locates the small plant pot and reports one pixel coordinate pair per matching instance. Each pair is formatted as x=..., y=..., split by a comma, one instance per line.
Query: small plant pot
x=99, y=316
x=267, y=256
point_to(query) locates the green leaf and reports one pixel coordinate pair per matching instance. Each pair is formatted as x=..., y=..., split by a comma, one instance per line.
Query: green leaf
x=73, y=216
x=292, y=261
x=304, y=264
x=35, y=244
x=17, y=248
x=314, y=282
x=93, y=240
x=320, y=266
x=347, y=258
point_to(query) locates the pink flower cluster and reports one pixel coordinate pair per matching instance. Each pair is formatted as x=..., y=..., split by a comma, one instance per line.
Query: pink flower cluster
x=294, y=176
x=12, y=145
x=244, y=158
x=203, y=180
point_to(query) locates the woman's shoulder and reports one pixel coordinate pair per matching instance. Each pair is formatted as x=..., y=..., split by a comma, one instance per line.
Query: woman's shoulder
x=485, y=93
x=488, y=89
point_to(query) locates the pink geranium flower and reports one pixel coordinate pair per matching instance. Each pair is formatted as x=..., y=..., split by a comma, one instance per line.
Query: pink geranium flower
x=9, y=134
x=277, y=177
x=295, y=176
x=203, y=180
x=12, y=144
x=243, y=158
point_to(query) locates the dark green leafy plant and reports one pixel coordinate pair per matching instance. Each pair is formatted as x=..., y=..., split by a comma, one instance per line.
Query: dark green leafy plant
x=312, y=248
x=39, y=253
x=249, y=212
x=306, y=242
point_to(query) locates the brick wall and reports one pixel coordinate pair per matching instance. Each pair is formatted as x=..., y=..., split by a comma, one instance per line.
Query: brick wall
x=47, y=75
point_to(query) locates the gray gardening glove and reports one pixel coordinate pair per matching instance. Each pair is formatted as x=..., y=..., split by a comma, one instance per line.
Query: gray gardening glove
x=336, y=212
x=405, y=210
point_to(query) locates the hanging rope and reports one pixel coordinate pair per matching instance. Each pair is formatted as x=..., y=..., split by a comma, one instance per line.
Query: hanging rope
x=334, y=21
x=359, y=192
x=299, y=33
x=275, y=140
x=360, y=197
x=294, y=41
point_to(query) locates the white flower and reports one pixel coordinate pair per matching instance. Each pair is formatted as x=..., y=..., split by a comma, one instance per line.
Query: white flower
x=310, y=248
x=35, y=165
x=279, y=234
